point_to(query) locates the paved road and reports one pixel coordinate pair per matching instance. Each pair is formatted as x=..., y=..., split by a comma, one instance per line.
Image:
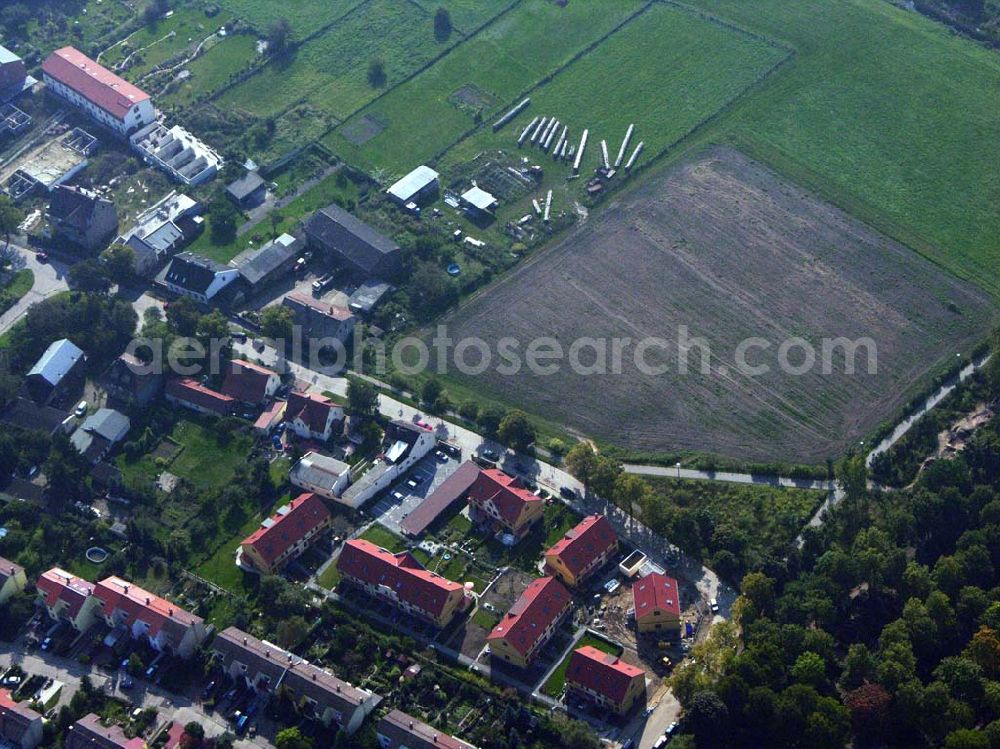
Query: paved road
x=673, y=472
x=70, y=671
x=550, y=476
x=50, y=279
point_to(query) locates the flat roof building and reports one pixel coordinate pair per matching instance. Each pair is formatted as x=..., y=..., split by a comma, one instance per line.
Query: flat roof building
x=177, y=152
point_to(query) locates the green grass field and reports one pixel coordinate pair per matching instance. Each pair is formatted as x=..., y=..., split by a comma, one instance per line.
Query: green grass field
x=553, y=687
x=666, y=71
x=328, y=190
x=886, y=113
x=213, y=68
x=305, y=16
x=468, y=15
x=168, y=37
x=331, y=71
x=205, y=461
x=492, y=68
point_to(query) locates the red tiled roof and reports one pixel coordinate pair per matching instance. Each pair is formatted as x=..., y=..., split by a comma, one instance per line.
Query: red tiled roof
x=504, y=491
x=311, y=408
x=451, y=490
x=192, y=391
x=95, y=83
x=604, y=673
x=401, y=572
x=59, y=585
x=289, y=525
x=584, y=542
x=247, y=382
x=7, y=703
x=118, y=594
x=324, y=308
x=540, y=604
x=654, y=592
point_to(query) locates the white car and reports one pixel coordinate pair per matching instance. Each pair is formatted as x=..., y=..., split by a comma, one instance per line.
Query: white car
x=714, y=606
x=81, y=409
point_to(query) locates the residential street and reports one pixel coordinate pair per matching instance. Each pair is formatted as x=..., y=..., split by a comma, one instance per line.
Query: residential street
x=142, y=694
x=50, y=279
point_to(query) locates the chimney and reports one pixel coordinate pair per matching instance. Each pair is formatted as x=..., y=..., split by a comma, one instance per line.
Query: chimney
x=148, y=600
x=244, y=641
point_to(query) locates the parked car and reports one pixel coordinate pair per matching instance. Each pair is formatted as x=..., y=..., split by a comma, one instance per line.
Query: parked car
x=151, y=671
x=490, y=454
x=567, y=493
x=46, y=643
x=714, y=606
x=672, y=728
x=81, y=409
x=42, y=257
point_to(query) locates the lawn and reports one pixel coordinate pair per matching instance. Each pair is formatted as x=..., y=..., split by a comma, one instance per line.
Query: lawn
x=335, y=188
x=305, y=16
x=884, y=112
x=19, y=284
x=666, y=71
x=468, y=15
x=382, y=536
x=486, y=72
x=159, y=42
x=330, y=577
x=204, y=459
x=331, y=71
x=557, y=681
x=220, y=568
x=214, y=67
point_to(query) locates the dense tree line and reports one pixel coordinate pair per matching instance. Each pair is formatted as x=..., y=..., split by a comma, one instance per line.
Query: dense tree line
x=883, y=630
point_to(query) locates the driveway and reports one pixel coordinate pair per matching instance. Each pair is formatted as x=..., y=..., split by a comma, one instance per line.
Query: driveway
x=50, y=279
x=69, y=672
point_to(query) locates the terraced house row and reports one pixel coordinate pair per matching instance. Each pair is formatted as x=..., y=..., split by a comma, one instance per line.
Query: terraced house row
x=121, y=605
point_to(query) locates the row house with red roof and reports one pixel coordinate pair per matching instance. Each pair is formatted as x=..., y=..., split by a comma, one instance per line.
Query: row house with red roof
x=605, y=679
x=531, y=622
x=190, y=393
x=250, y=383
x=583, y=551
x=68, y=598
x=285, y=535
x=312, y=416
x=12, y=580
x=402, y=581
x=93, y=89
x=20, y=726
x=657, y=604
x=163, y=624
x=501, y=503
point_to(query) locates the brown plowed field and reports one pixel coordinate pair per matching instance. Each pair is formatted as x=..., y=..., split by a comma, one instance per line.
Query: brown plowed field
x=722, y=245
